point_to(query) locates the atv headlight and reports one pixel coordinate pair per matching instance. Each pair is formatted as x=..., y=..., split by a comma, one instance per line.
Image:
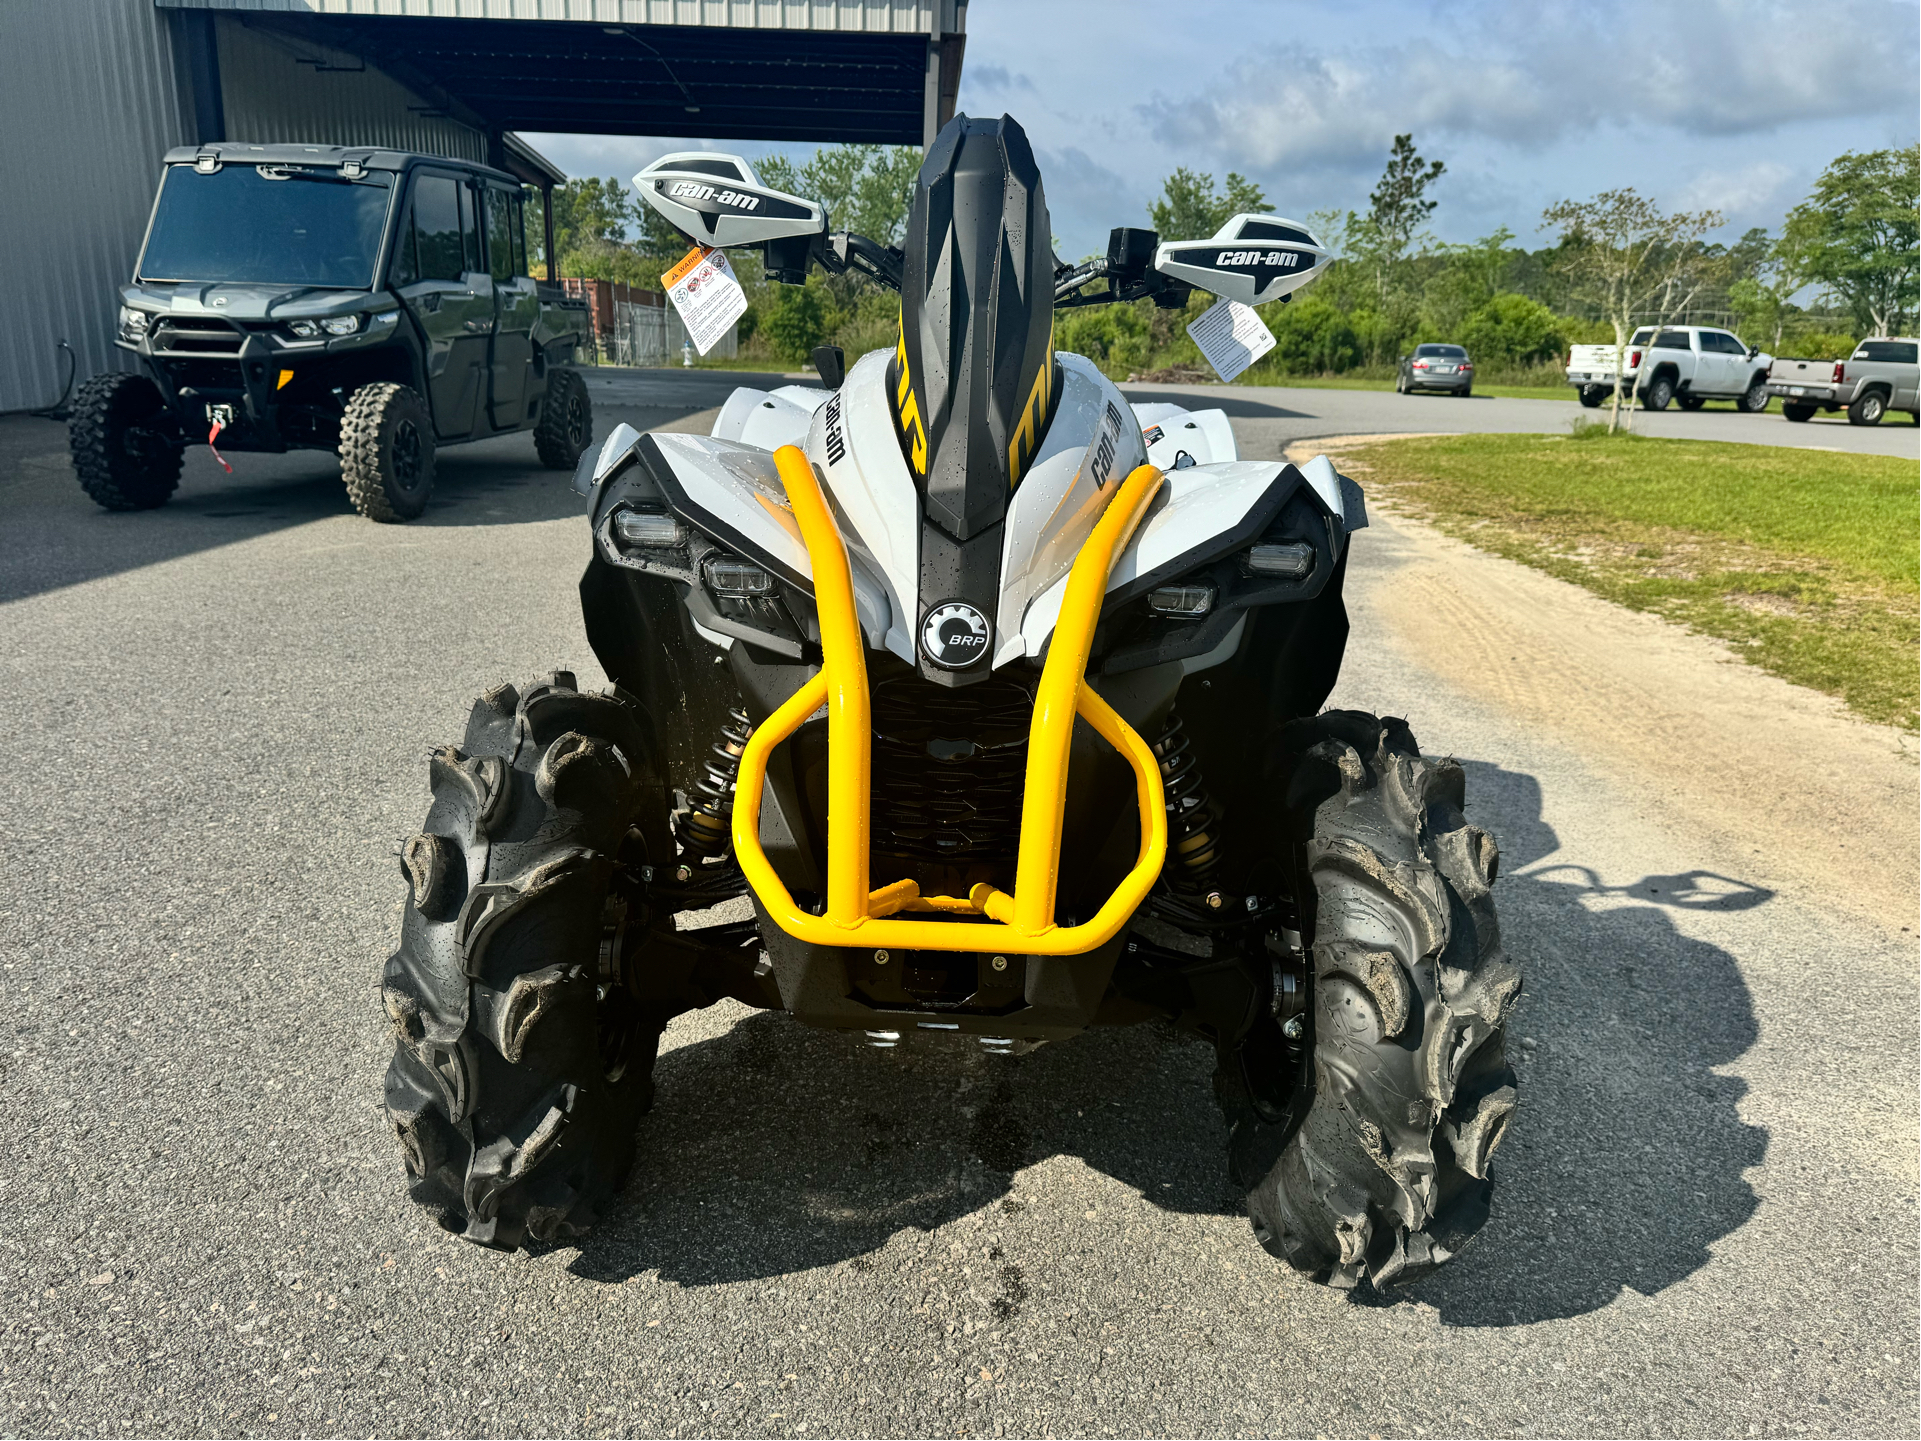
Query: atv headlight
x=1290, y=561
x=1181, y=601
x=305, y=329
x=341, y=324
x=653, y=529
x=732, y=576
x=133, y=323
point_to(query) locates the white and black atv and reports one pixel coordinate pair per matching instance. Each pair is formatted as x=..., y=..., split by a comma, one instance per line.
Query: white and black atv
x=1001, y=700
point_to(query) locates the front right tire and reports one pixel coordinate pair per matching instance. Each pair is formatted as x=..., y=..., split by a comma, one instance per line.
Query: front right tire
x=124, y=453
x=387, y=451
x=1386, y=1175
x=522, y=1060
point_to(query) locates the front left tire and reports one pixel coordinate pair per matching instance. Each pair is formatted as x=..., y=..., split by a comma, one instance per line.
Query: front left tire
x=1754, y=399
x=1377, y=1166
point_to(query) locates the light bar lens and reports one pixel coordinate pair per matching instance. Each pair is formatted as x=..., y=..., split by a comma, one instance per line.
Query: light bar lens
x=738, y=577
x=1181, y=600
x=649, y=528
x=1292, y=560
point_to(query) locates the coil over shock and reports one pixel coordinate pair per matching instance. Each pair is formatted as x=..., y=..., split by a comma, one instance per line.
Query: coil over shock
x=1192, y=824
x=705, y=829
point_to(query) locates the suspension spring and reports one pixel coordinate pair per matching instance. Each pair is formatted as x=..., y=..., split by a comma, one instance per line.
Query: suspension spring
x=1192, y=824
x=706, y=828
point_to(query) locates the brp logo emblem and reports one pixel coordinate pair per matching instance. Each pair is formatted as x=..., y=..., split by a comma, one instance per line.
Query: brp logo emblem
x=954, y=635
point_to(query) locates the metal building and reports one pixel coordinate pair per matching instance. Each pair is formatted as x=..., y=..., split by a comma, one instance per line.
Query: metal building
x=94, y=91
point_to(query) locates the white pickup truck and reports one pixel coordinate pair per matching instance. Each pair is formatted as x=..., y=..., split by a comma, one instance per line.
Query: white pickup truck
x=1691, y=364
x=1880, y=376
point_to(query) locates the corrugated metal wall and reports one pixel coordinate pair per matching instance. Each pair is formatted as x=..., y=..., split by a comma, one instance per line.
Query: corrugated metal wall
x=88, y=103
x=911, y=17
x=277, y=89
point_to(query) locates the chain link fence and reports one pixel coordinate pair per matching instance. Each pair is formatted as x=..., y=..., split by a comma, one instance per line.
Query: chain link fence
x=653, y=335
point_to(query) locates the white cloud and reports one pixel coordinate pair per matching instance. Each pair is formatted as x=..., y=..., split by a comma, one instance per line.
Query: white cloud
x=1531, y=77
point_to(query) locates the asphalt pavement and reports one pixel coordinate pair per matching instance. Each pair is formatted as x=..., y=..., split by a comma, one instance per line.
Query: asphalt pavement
x=217, y=717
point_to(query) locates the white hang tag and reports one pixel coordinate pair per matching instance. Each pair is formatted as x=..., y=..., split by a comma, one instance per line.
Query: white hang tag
x=707, y=295
x=1231, y=337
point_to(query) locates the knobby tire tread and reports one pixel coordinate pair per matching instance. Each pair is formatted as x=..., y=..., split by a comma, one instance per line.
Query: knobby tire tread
x=110, y=477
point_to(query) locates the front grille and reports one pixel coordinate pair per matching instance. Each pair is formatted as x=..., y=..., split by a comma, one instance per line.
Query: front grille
x=197, y=335
x=949, y=767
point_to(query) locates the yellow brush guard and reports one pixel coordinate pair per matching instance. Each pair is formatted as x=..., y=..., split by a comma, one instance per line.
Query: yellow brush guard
x=1024, y=921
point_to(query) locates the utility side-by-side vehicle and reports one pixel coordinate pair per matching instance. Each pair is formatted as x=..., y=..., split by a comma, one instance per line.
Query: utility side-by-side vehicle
x=304, y=297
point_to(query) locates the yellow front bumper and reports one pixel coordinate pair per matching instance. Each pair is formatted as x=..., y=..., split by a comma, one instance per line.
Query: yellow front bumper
x=1022, y=922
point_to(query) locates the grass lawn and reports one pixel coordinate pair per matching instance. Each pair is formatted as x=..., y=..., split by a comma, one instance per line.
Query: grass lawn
x=1803, y=560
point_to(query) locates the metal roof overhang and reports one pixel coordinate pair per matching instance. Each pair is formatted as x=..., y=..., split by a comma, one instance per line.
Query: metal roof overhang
x=724, y=82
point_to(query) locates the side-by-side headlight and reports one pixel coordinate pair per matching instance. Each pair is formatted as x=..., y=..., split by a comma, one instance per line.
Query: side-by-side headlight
x=133, y=323
x=341, y=324
x=1181, y=601
x=651, y=528
x=731, y=576
x=305, y=329
x=1290, y=560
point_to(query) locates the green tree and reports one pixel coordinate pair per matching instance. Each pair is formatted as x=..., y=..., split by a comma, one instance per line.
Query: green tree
x=1190, y=208
x=1622, y=254
x=867, y=189
x=1398, y=206
x=1857, y=234
x=794, y=318
x=1511, y=330
x=1311, y=337
x=589, y=209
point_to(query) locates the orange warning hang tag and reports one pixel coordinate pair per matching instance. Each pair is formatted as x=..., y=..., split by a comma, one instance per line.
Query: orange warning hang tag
x=707, y=295
x=684, y=266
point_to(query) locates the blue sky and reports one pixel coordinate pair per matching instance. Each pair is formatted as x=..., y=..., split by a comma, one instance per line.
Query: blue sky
x=1734, y=105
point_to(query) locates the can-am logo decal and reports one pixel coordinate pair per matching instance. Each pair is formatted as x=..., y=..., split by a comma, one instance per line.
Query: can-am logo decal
x=1279, y=259
x=1104, y=447
x=954, y=635
x=695, y=190
x=836, y=441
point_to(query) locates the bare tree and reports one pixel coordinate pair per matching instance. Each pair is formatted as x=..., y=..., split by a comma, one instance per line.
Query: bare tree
x=1621, y=253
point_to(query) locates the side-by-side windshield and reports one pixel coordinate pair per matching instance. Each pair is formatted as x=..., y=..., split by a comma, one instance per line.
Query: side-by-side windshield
x=268, y=224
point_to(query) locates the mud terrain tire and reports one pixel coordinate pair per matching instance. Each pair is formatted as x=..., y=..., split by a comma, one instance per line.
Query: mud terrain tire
x=566, y=424
x=1387, y=1174
x=387, y=451
x=519, y=1074
x=121, y=464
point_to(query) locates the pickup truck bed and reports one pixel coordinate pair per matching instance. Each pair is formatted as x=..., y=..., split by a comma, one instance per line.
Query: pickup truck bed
x=1880, y=376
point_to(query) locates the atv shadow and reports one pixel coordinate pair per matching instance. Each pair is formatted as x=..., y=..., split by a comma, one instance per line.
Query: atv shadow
x=777, y=1148
x=1627, y=1158
x=1199, y=398
x=774, y=1148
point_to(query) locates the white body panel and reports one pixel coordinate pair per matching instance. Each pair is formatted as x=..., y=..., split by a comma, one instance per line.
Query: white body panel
x=1195, y=504
x=769, y=418
x=1168, y=430
x=738, y=486
x=1063, y=493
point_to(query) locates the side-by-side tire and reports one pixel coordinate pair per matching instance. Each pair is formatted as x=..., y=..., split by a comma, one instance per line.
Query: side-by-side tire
x=522, y=1064
x=566, y=424
x=1754, y=399
x=1797, y=413
x=387, y=451
x=1868, y=408
x=1657, y=394
x=1593, y=395
x=1387, y=1175
x=125, y=452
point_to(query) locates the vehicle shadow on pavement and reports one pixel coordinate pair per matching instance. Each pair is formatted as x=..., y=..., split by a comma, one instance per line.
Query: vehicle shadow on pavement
x=1235, y=406
x=1626, y=1161
x=55, y=536
x=774, y=1149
